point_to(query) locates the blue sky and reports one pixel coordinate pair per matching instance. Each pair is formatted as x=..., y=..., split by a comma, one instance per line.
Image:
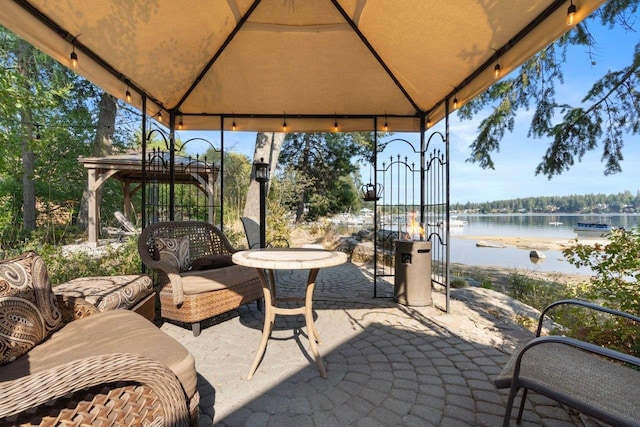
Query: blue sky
x=515, y=164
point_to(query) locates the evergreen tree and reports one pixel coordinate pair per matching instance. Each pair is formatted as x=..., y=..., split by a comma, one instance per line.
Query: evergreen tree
x=609, y=110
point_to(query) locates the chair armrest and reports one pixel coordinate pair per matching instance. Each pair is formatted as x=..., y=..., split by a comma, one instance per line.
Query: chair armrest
x=583, y=345
x=587, y=305
x=169, y=270
x=23, y=393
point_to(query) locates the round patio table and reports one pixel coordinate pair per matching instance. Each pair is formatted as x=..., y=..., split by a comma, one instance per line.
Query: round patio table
x=266, y=261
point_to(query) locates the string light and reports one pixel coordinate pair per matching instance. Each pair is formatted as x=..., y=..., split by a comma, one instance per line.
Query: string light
x=233, y=124
x=571, y=13
x=284, y=123
x=455, y=103
x=335, y=124
x=74, y=58
x=429, y=124
x=496, y=69
x=127, y=95
x=160, y=116
x=180, y=124
x=386, y=124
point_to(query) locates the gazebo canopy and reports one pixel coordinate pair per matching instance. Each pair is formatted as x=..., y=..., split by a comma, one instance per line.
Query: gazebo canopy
x=309, y=63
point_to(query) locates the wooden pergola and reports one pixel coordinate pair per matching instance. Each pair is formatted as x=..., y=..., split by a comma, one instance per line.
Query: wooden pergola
x=127, y=168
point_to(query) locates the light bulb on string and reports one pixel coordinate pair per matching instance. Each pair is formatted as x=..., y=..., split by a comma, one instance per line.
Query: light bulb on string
x=74, y=59
x=571, y=14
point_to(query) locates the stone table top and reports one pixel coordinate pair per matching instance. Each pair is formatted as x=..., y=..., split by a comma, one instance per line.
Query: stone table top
x=289, y=258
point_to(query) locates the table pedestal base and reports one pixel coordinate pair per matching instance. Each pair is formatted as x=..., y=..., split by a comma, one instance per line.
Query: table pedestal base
x=272, y=308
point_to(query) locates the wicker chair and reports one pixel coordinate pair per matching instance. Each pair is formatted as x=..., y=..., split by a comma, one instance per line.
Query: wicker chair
x=191, y=295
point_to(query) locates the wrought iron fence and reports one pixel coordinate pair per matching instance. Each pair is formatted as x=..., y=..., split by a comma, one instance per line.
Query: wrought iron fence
x=411, y=202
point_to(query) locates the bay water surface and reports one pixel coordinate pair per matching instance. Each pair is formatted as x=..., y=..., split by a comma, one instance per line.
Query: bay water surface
x=465, y=250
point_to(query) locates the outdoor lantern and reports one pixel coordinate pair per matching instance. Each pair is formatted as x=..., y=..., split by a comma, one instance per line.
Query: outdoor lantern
x=262, y=170
x=262, y=176
x=371, y=192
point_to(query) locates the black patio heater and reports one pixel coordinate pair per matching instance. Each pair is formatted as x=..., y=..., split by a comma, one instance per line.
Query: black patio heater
x=262, y=176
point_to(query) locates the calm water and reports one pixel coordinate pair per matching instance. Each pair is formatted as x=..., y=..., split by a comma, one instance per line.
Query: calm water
x=465, y=250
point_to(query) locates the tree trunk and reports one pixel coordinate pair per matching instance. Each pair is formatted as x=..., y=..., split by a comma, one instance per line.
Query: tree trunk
x=102, y=146
x=28, y=157
x=303, y=192
x=268, y=147
x=28, y=184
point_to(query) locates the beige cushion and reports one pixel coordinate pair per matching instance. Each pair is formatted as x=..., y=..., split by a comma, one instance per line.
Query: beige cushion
x=115, y=331
x=108, y=292
x=197, y=282
x=28, y=309
x=174, y=251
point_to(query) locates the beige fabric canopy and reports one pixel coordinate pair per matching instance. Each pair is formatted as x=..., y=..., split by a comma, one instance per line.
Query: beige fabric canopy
x=309, y=63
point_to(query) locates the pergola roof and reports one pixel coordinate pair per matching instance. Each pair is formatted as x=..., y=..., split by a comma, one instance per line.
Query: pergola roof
x=128, y=168
x=307, y=62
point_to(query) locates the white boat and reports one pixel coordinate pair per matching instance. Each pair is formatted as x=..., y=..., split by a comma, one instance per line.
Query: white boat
x=453, y=222
x=555, y=223
x=593, y=229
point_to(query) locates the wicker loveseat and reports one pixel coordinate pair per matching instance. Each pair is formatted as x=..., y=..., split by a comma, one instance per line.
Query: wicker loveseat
x=109, y=368
x=196, y=277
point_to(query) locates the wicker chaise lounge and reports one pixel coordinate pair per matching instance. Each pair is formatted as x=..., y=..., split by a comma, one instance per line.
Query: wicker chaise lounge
x=109, y=368
x=196, y=276
x=597, y=381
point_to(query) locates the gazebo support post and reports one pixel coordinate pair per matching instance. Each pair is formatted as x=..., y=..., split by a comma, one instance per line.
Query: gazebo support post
x=94, y=211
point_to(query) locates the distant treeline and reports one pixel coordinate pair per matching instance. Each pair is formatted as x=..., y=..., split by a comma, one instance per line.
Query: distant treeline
x=624, y=202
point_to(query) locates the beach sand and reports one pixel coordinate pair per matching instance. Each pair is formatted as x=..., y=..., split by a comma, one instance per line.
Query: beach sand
x=501, y=276
x=533, y=243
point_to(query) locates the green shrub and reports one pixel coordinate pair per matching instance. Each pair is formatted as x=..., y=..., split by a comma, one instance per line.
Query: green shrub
x=459, y=283
x=536, y=293
x=616, y=265
x=63, y=267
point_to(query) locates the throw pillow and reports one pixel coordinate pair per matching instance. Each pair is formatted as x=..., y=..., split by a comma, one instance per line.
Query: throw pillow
x=174, y=251
x=209, y=262
x=29, y=311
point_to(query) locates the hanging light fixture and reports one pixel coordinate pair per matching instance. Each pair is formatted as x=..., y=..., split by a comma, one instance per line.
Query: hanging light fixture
x=74, y=58
x=335, y=124
x=233, y=124
x=571, y=13
x=284, y=123
x=127, y=95
x=496, y=69
x=180, y=124
x=429, y=124
x=386, y=124
x=455, y=102
x=160, y=116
